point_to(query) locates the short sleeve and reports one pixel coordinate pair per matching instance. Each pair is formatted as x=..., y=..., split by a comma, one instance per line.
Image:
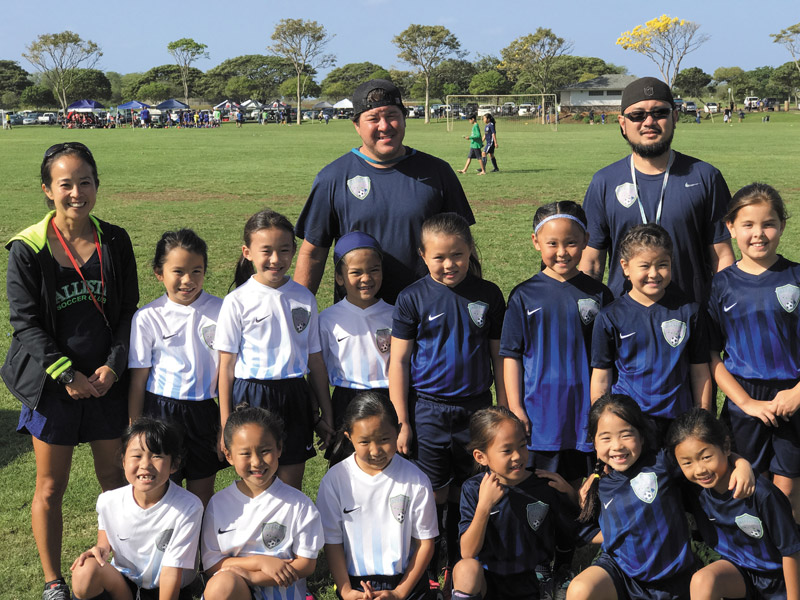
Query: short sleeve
x=496, y=317
x=313, y=330
x=593, y=205
x=405, y=320
x=318, y=223
x=330, y=510
x=423, y=509
x=142, y=340
x=716, y=231
x=603, y=342
x=469, y=500
x=454, y=198
x=716, y=339
x=776, y=511
x=512, y=343
x=699, y=352
x=308, y=536
x=182, y=549
x=210, y=550
x=228, y=336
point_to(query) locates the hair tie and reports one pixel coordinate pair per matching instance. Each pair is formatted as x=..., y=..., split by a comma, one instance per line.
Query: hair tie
x=559, y=216
x=596, y=475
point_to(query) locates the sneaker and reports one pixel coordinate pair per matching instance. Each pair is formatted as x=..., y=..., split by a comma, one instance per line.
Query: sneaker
x=495, y=170
x=56, y=591
x=563, y=578
x=545, y=586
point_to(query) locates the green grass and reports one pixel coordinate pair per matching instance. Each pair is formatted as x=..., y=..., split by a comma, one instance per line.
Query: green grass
x=212, y=180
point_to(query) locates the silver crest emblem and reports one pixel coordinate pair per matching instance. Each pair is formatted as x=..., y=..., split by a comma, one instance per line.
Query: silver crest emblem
x=674, y=331
x=359, y=186
x=383, y=338
x=751, y=525
x=588, y=309
x=272, y=534
x=789, y=296
x=300, y=318
x=536, y=513
x=207, y=333
x=626, y=194
x=399, y=505
x=163, y=539
x=645, y=486
x=648, y=91
x=477, y=312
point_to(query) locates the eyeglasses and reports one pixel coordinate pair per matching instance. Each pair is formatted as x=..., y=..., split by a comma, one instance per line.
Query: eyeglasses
x=58, y=148
x=639, y=116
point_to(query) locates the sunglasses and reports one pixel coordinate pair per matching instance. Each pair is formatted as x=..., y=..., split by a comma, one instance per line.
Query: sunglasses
x=639, y=116
x=59, y=148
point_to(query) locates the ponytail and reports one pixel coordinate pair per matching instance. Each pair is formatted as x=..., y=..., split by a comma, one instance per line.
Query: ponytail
x=244, y=271
x=591, y=502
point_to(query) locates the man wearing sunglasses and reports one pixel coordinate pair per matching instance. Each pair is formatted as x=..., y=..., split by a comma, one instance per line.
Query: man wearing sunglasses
x=656, y=184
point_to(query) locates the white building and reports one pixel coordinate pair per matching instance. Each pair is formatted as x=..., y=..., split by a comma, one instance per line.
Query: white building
x=600, y=93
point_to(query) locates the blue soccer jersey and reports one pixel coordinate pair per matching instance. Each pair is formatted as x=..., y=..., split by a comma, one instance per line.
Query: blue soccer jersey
x=695, y=201
x=651, y=349
x=755, y=320
x=451, y=328
x=390, y=204
x=642, y=519
x=523, y=527
x=548, y=326
x=755, y=532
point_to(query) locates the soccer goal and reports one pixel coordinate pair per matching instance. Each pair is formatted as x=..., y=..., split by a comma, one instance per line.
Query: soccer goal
x=522, y=110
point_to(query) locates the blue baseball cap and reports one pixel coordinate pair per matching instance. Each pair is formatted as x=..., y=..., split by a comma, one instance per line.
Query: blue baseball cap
x=353, y=241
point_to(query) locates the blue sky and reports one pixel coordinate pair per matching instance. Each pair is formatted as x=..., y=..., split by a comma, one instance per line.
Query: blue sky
x=134, y=36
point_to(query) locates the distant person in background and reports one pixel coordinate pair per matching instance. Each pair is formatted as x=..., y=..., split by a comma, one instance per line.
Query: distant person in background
x=475, y=142
x=490, y=141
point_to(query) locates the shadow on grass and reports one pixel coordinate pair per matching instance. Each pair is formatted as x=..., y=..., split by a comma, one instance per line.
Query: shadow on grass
x=12, y=444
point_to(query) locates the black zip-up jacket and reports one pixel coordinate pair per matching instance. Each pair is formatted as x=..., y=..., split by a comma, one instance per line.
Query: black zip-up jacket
x=34, y=358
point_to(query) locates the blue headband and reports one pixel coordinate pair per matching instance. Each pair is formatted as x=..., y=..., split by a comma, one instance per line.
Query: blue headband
x=559, y=216
x=353, y=241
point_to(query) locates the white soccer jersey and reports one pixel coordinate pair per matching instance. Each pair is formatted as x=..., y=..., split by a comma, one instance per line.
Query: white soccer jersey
x=355, y=344
x=281, y=522
x=375, y=517
x=176, y=343
x=146, y=540
x=272, y=331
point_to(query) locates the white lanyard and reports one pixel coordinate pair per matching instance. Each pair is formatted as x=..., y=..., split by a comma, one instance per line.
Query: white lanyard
x=663, y=188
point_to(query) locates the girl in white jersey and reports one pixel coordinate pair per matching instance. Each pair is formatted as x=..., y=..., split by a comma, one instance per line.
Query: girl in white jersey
x=268, y=340
x=172, y=359
x=152, y=526
x=377, y=509
x=260, y=536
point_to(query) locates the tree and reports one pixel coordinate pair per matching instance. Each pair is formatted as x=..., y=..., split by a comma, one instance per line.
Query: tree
x=531, y=58
x=58, y=56
x=692, y=81
x=342, y=81
x=311, y=89
x=115, y=79
x=489, y=82
x=13, y=78
x=665, y=41
x=424, y=47
x=8, y=100
x=303, y=44
x=37, y=96
x=404, y=80
x=130, y=85
x=90, y=83
x=185, y=51
x=240, y=88
x=451, y=76
x=790, y=38
x=264, y=74
x=155, y=91
x=569, y=69
x=786, y=78
x=169, y=74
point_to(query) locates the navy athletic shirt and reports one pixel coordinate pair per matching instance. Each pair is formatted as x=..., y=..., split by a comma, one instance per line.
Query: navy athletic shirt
x=350, y=194
x=755, y=319
x=695, y=202
x=548, y=326
x=451, y=328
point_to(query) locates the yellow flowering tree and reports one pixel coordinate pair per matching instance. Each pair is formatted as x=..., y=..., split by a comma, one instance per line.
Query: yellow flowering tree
x=666, y=41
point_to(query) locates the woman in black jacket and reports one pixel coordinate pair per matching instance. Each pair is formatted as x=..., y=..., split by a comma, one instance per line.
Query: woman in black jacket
x=72, y=290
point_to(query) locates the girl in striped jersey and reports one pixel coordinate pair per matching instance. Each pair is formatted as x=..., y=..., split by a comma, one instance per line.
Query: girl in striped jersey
x=172, y=359
x=756, y=536
x=268, y=342
x=756, y=323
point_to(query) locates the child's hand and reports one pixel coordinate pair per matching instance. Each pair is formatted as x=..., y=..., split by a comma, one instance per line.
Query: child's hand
x=559, y=483
x=743, y=480
x=761, y=409
x=491, y=490
x=404, y=439
x=786, y=403
x=100, y=555
x=243, y=573
x=523, y=417
x=325, y=432
x=348, y=593
x=102, y=379
x=279, y=570
x=221, y=446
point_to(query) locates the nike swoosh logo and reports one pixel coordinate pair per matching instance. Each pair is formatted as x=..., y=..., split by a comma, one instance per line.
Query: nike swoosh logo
x=262, y=318
x=434, y=317
x=497, y=512
x=690, y=184
x=711, y=519
x=727, y=308
x=420, y=179
x=166, y=337
x=347, y=511
x=627, y=335
x=220, y=531
x=530, y=312
x=123, y=539
x=605, y=504
x=339, y=339
x=311, y=447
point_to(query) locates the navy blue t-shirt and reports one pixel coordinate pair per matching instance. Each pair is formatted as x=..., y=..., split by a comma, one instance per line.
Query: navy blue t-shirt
x=451, y=328
x=390, y=204
x=695, y=202
x=548, y=326
x=755, y=320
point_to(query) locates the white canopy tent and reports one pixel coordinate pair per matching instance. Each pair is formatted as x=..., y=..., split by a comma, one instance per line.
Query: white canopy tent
x=346, y=103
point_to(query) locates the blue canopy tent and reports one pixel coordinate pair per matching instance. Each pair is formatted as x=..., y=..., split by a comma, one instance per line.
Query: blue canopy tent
x=85, y=105
x=133, y=105
x=172, y=104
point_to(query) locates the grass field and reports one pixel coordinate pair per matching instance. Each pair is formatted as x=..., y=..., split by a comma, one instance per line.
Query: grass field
x=212, y=180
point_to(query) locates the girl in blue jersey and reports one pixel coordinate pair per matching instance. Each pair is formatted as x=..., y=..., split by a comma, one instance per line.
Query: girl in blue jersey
x=377, y=509
x=445, y=355
x=642, y=524
x=756, y=323
x=756, y=536
x=652, y=343
x=268, y=340
x=510, y=518
x=490, y=141
x=172, y=360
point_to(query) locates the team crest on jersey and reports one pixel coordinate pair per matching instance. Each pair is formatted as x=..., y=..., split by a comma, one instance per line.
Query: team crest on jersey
x=645, y=486
x=399, y=506
x=751, y=525
x=300, y=317
x=383, y=338
x=789, y=296
x=163, y=539
x=536, y=513
x=674, y=331
x=588, y=309
x=626, y=194
x=477, y=312
x=272, y=534
x=359, y=186
x=207, y=334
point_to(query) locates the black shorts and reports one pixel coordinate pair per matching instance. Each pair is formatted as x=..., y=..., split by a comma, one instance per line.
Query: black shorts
x=474, y=153
x=519, y=586
x=489, y=149
x=198, y=421
x=290, y=399
x=379, y=583
x=763, y=586
x=571, y=464
x=628, y=588
x=153, y=593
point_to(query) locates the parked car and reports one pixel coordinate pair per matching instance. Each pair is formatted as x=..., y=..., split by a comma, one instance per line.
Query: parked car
x=679, y=104
x=689, y=106
x=30, y=119
x=711, y=107
x=769, y=103
x=47, y=118
x=485, y=109
x=15, y=119
x=751, y=102
x=525, y=110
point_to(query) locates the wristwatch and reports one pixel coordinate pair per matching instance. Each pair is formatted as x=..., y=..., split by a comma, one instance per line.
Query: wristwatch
x=67, y=376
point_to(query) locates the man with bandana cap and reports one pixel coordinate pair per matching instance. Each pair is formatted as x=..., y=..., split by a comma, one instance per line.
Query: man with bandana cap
x=383, y=188
x=656, y=184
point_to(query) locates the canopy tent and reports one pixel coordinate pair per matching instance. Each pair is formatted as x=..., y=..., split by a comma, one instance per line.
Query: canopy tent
x=227, y=105
x=278, y=104
x=321, y=105
x=346, y=103
x=172, y=103
x=85, y=105
x=133, y=105
x=252, y=105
